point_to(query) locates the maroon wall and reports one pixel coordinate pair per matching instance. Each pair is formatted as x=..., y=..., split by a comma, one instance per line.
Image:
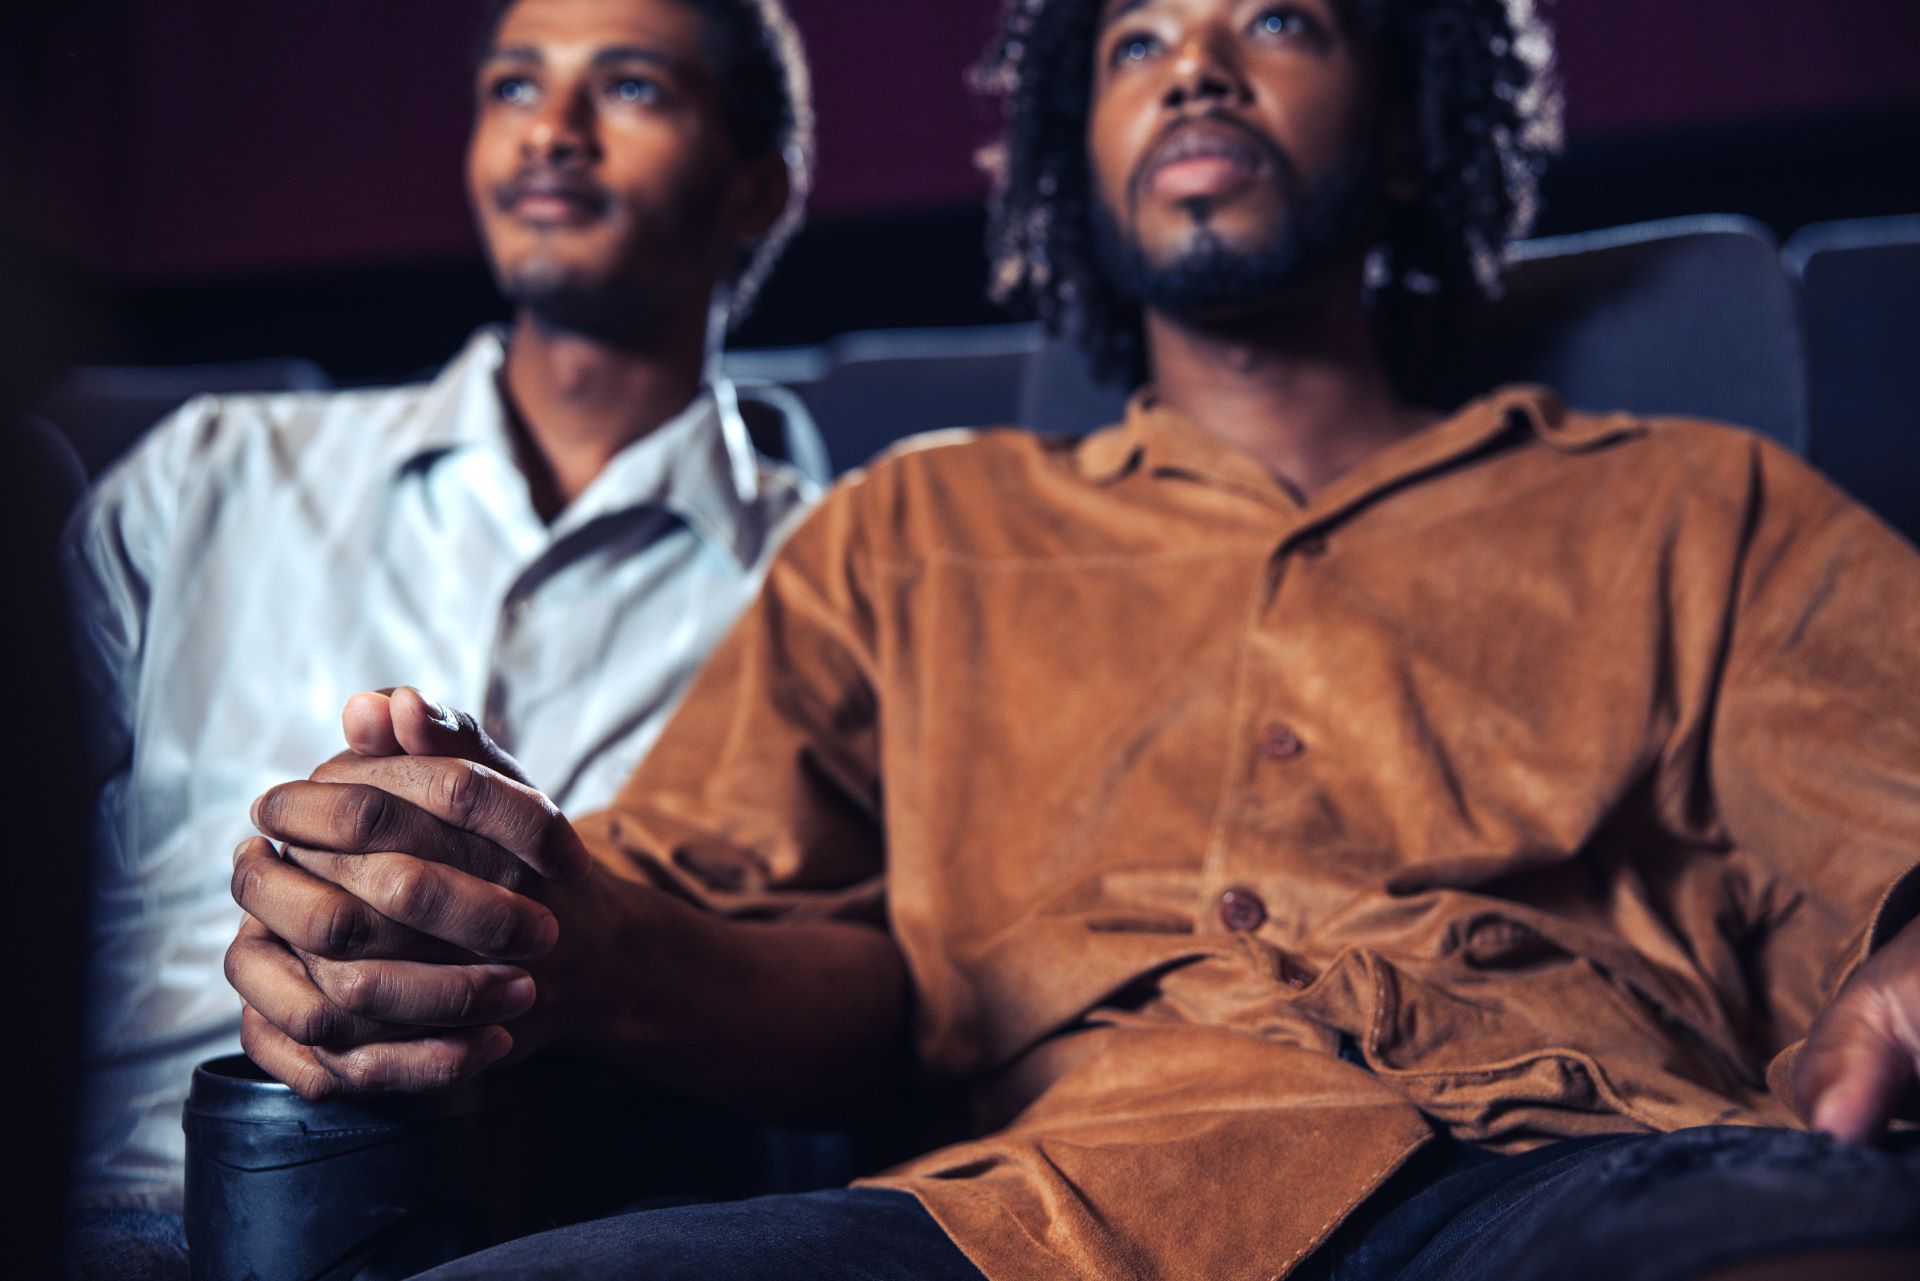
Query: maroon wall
x=234, y=137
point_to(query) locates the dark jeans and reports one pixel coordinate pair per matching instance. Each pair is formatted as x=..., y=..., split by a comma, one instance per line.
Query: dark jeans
x=126, y=1245
x=1623, y=1208
x=847, y=1234
x=1628, y=1208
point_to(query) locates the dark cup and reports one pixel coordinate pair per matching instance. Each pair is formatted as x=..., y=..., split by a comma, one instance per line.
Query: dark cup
x=279, y=1189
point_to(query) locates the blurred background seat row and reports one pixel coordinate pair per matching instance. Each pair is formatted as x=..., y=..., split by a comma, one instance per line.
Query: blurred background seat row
x=1815, y=344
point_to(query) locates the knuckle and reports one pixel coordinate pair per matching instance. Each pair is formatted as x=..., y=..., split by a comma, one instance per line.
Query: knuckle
x=360, y=989
x=314, y=1084
x=460, y=792
x=273, y=809
x=472, y=994
x=246, y=883
x=341, y=928
x=444, y=1065
x=501, y=928
x=316, y=1022
x=360, y=1067
x=362, y=814
x=411, y=891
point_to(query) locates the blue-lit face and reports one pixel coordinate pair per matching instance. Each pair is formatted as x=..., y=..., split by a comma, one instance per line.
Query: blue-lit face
x=599, y=156
x=1212, y=119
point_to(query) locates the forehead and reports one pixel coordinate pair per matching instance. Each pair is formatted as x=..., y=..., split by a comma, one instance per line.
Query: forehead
x=668, y=26
x=1111, y=11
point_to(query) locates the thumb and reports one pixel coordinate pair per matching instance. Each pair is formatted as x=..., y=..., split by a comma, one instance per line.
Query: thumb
x=422, y=727
x=368, y=722
x=1854, y=1071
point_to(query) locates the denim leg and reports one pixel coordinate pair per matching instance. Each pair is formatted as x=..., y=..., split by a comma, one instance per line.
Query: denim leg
x=849, y=1234
x=126, y=1245
x=1643, y=1208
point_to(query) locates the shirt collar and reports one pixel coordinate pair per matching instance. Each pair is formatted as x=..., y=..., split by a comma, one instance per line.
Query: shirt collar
x=700, y=464
x=1155, y=440
x=461, y=407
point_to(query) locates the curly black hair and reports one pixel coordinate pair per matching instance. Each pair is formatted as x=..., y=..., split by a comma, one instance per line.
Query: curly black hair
x=756, y=52
x=1477, y=76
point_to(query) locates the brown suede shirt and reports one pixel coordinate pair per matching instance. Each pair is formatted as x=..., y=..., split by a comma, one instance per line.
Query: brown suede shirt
x=1557, y=765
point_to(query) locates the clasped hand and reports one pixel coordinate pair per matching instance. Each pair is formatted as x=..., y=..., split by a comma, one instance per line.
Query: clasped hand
x=412, y=913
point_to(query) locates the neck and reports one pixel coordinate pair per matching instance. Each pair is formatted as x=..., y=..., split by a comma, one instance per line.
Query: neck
x=577, y=400
x=1300, y=387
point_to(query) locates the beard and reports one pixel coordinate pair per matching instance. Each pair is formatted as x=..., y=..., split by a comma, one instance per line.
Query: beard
x=566, y=300
x=1330, y=224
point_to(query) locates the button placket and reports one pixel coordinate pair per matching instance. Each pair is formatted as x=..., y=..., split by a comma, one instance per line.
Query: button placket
x=1239, y=908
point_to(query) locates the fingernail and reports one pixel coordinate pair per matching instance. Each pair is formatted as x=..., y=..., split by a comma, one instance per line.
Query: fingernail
x=545, y=935
x=498, y=1045
x=442, y=716
x=520, y=993
x=241, y=848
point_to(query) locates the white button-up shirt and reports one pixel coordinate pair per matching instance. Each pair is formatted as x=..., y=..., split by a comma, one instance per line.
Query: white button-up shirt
x=257, y=560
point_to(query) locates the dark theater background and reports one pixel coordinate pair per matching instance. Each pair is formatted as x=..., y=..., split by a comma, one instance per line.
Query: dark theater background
x=199, y=181
x=233, y=178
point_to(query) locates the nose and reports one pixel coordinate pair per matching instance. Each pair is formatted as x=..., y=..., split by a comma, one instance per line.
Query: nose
x=1205, y=69
x=563, y=130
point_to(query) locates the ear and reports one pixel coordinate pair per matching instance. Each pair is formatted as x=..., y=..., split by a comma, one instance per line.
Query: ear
x=762, y=186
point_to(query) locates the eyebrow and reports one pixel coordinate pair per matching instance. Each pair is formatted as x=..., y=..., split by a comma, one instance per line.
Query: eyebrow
x=1119, y=11
x=613, y=55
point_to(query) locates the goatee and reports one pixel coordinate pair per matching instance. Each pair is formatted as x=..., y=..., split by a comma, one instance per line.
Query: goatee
x=1335, y=221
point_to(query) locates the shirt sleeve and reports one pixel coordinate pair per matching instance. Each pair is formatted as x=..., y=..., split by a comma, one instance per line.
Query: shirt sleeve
x=112, y=552
x=762, y=798
x=1815, y=753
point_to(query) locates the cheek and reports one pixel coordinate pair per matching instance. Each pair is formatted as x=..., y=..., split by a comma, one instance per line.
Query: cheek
x=483, y=167
x=1114, y=141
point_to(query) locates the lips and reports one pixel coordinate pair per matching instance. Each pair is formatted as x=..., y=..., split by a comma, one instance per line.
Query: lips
x=552, y=199
x=1206, y=157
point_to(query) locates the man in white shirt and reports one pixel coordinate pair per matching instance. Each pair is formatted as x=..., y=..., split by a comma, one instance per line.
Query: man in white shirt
x=557, y=529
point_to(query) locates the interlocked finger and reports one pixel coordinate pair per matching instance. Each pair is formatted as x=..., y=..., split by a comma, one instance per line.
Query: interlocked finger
x=438, y=901
x=469, y=797
x=419, y=1065
x=317, y=916
x=346, y=812
x=275, y=984
x=419, y=995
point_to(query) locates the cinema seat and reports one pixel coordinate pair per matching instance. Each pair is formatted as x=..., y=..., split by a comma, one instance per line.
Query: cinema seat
x=868, y=390
x=103, y=409
x=1692, y=316
x=1861, y=283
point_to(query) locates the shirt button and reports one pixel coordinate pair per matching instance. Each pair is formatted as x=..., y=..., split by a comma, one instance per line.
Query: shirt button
x=1279, y=743
x=1242, y=911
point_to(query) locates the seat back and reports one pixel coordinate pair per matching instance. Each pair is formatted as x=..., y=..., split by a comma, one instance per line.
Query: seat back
x=1861, y=282
x=1693, y=316
x=867, y=390
x=103, y=409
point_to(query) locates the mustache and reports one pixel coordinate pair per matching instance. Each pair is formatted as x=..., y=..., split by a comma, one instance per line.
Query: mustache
x=552, y=181
x=1260, y=144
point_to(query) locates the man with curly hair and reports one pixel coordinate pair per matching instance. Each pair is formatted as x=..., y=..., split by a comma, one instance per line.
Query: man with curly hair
x=1311, y=832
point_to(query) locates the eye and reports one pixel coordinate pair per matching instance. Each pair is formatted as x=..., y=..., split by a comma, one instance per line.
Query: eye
x=514, y=90
x=635, y=89
x=1130, y=49
x=1282, y=20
